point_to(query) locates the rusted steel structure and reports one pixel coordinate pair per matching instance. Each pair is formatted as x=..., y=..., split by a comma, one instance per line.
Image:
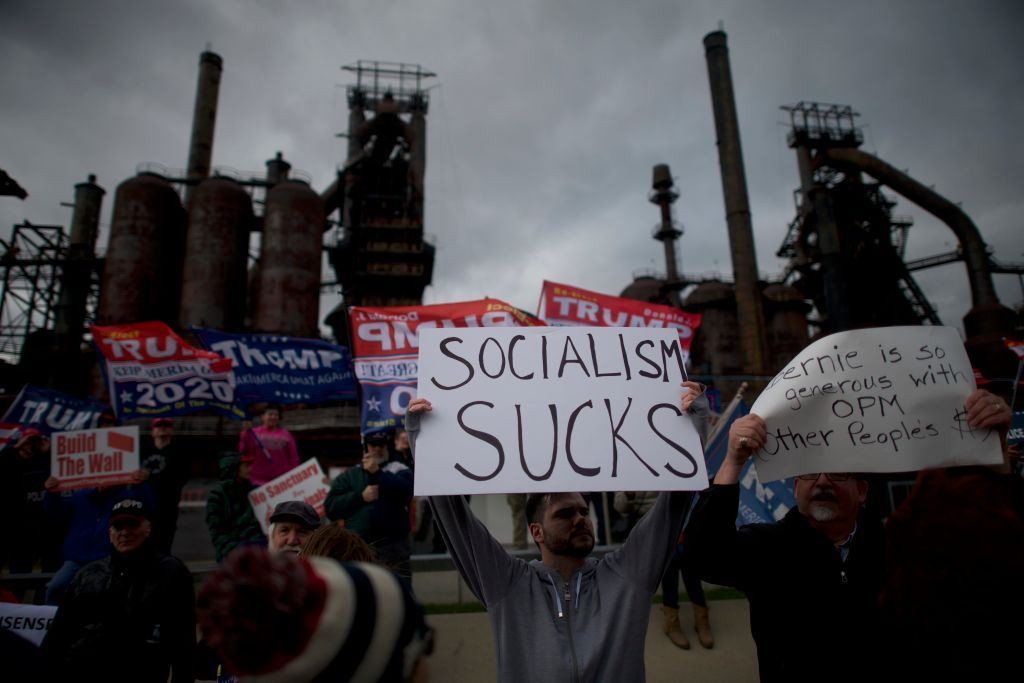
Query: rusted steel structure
x=287, y=290
x=667, y=231
x=204, y=120
x=749, y=308
x=379, y=254
x=142, y=267
x=846, y=248
x=213, y=282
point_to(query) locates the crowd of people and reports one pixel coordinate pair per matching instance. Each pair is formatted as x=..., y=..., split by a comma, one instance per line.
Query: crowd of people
x=833, y=591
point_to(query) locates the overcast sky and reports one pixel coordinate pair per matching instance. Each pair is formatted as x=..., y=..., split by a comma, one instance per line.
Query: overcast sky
x=545, y=118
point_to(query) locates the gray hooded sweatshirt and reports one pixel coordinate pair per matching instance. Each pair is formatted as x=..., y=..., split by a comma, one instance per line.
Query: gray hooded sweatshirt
x=588, y=629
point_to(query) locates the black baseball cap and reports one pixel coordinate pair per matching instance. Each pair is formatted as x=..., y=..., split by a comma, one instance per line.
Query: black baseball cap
x=296, y=511
x=130, y=507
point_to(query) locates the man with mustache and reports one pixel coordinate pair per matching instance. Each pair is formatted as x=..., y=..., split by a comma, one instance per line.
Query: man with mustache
x=813, y=578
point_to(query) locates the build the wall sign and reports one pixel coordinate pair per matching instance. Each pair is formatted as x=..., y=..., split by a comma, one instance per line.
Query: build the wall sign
x=887, y=399
x=554, y=409
x=94, y=457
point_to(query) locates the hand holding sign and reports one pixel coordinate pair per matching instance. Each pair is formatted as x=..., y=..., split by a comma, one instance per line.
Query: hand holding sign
x=746, y=435
x=988, y=411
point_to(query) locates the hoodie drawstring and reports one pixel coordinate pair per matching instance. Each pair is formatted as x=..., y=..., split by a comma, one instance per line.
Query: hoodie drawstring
x=554, y=594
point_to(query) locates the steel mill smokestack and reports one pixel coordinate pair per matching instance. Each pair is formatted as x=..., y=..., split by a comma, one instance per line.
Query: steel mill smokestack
x=664, y=195
x=75, y=280
x=204, y=117
x=737, y=205
x=74, y=290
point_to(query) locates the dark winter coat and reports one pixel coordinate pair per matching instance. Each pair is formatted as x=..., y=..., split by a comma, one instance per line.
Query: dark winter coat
x=169, y=470
x=813, y=616
x=125, y=618
x=229, y=515
x=385, y=518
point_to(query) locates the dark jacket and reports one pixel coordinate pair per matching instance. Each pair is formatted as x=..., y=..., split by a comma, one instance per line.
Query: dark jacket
x=36, y=535
x=125, y=618
x=385, y=518
x=813, y=616
x=229, y=515
x=169, y=470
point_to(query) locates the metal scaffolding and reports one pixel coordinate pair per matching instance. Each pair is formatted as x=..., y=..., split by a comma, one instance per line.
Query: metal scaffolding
x=30, y=272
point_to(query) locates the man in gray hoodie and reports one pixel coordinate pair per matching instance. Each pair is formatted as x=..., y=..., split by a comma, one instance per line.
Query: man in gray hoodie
x=567, y=616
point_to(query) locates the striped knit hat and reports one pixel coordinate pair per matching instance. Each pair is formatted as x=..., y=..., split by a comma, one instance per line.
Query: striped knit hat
x=280, y=618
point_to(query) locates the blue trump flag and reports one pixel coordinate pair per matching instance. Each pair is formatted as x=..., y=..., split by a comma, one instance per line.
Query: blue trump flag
x=53, y=411
x=278, y=369
x=759, y=503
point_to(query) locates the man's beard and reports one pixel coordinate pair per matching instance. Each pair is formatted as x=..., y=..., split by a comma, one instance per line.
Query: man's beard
x=571, y=548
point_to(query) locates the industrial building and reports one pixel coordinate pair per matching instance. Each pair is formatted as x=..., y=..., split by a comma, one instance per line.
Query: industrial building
x=208, y=246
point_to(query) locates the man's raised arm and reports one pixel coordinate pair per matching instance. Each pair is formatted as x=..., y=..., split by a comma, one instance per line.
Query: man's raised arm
x=484, y=564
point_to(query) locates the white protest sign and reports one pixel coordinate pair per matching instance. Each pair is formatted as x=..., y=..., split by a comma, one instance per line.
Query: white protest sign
x=888, y=399
x=31, y=622
x=94, y=457
x=554, y=409
x=305, y=482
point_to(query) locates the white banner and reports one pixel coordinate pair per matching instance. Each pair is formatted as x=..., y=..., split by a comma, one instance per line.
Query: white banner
x=554, y=409
x=306, y=482
x=888, y=399
x=31, y=622
x=94, y=457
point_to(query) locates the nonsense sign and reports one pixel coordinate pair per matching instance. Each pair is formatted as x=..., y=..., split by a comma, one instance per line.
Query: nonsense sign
x=306, y=482
x=554, y=409
x=875, y=400
x=31, y=622
x=94, y=457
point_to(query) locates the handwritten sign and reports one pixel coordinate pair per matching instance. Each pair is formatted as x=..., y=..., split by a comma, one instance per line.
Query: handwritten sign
x=554, y=409
x=306, y=482
x=94, y=457
x=875, y=400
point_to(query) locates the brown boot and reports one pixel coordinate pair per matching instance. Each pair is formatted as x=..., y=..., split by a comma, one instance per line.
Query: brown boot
x=703, y=626
x=672, y=628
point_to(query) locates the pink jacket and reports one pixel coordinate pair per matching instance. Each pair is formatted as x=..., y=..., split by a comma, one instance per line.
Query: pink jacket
x=277, y=455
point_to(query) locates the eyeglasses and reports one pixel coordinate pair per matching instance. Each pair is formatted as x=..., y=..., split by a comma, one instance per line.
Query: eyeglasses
x=832, y=476
x=126, y=523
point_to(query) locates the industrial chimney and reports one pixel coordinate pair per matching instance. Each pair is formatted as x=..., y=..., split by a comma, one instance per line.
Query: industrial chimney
x=663, y=194
x=77, y=272
x=737, y=206
x=204, y=118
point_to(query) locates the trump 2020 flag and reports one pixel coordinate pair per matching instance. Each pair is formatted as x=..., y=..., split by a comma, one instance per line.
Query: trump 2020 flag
x=152, y=372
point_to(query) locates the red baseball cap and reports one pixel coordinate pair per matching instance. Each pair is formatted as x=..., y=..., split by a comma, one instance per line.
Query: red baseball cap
x=27, y=435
